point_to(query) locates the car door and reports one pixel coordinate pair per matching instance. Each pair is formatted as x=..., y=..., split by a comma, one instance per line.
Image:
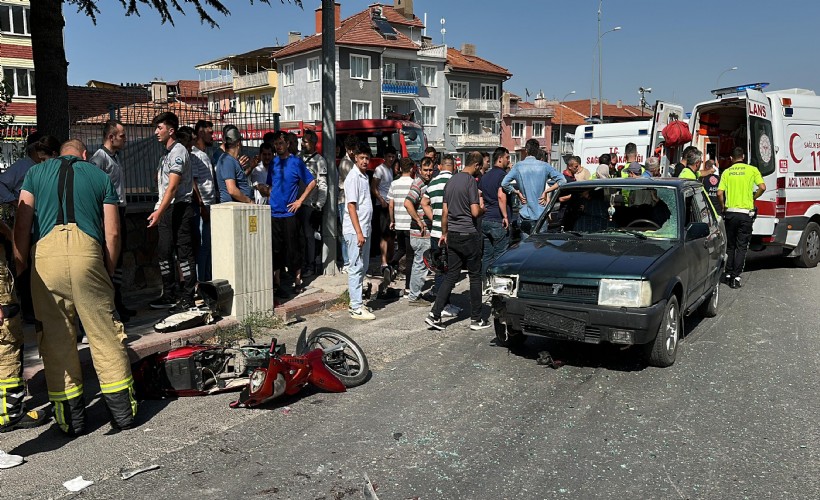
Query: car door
x=696, y=251
x=715, y=242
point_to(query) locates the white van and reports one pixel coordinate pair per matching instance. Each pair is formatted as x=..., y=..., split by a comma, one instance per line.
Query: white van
x=591, y=141
x=780, y=132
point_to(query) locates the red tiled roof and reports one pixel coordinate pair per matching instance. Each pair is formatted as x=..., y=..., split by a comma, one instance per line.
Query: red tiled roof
x=144, y=113
x=565, y=115
x=394, y=17
x=624, y=113
x=358, y=30
x=91, y=101
x=458, y=61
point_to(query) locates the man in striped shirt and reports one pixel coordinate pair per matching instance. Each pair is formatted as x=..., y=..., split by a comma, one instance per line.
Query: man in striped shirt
x=399, y=217
x=419, y=231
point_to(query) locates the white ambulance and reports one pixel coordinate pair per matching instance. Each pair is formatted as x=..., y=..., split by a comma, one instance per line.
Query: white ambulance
x=591, y=141
x=780, y=132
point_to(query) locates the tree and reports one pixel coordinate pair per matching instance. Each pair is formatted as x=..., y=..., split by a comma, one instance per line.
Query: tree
x=5, y=99
x=50, y=64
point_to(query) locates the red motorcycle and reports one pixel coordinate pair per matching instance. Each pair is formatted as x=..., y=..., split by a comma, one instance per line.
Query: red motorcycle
x=327, y=359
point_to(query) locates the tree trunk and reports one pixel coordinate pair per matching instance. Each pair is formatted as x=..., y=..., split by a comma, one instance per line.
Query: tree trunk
x=51, y=67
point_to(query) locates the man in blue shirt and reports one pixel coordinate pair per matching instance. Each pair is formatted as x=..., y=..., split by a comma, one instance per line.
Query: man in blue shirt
x=495, y=223
x=230, y=176
x=284, y=176
x=531, y=177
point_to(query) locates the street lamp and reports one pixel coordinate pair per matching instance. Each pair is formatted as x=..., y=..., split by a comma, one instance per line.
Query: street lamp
x=717, y=82
x=561, y=126
x=601, y=75
x=592, y=85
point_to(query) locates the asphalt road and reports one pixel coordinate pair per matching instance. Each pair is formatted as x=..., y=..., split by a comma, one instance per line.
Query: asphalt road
x=450, y=415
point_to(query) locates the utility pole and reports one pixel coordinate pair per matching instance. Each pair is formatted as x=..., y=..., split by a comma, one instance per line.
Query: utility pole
x=330, y=226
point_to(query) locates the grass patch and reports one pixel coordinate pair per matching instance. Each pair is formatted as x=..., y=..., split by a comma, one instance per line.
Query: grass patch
x=250, y=326
x=344, y=298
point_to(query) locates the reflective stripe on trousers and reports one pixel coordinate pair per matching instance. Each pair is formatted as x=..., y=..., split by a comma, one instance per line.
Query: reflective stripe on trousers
x=69, y=280
x=12, y=389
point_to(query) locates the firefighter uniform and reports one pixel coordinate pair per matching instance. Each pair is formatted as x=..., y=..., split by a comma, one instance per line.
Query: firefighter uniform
x=738, y=183
x=69, y=279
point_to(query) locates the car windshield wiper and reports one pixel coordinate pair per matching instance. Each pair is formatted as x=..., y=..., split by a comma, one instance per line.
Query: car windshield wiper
x=634, y=233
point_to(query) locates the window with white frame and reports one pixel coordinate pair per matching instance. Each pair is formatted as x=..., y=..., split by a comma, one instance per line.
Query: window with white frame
x=315, y=111
x=267, y=103
x=428, y=116
x=287, y=74
x=359, y=67
x=20, y=81
x=313, y=69
x=15, y=19
x=290, y=112
x=457, y=126
x=489, y=92
x=489, y=126
x=459, y=90
x=538, y=129
x=518, y=129
x=360, y=110
x=389, y=71
x=428, y=76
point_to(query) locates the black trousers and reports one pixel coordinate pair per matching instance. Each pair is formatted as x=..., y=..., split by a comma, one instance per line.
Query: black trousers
x=738, y=234
x=176, y=239
x=403, y=248
x=463, y=250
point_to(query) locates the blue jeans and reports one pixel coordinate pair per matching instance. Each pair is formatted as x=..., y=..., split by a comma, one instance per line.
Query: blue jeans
x=345, y=259
x=359, y=262
x=418, y=274
x=496, y=239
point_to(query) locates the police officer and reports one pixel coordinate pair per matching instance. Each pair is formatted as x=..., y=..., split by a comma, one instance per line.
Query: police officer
x=737, y=193
x=71, y=206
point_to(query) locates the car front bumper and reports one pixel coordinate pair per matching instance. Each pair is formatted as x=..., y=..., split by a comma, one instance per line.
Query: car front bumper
x=588, y=323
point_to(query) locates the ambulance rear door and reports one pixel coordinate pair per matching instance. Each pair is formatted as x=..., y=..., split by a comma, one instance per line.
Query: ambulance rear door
x=761, y=154
x=665, y=112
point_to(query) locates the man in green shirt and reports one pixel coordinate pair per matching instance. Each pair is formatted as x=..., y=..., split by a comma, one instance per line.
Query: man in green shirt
x=693, y=160
x=68, y=219
x=737, y=193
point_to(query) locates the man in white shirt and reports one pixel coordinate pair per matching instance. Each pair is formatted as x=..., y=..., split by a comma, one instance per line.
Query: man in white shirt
x=205, y=192
x=356, y=230
x=259, y=175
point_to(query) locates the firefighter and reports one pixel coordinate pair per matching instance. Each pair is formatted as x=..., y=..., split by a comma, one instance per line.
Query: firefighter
x=71, y=206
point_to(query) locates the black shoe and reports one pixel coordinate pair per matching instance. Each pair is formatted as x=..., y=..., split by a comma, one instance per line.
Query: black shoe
x=726, y=278
x=480, y=324
x=163, y=303
x=182, y=306
x=30, y=419
x=434, y=322
x=735, y=283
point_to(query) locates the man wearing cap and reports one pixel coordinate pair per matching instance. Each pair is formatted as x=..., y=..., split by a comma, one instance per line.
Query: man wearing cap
x=230, y=176
x=737, y=193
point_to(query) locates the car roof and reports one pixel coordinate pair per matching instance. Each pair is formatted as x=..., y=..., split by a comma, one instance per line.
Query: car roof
x=674, y=182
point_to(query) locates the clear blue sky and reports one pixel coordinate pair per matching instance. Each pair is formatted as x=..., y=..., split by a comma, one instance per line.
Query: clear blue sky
x=676, y=48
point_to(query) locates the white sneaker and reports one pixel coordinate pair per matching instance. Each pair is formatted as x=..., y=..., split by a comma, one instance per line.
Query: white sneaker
x=450, y=311
x=344, y=269
x=8, y=461
x=362, y=314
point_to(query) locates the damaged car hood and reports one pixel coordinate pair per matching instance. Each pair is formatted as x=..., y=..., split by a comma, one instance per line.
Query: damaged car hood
x=552, y=256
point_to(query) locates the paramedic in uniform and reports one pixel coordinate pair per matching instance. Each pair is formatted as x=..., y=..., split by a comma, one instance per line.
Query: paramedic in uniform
x=68, y=218
x=736, y=192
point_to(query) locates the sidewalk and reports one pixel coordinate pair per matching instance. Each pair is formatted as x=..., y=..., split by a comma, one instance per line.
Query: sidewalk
x=321, y=293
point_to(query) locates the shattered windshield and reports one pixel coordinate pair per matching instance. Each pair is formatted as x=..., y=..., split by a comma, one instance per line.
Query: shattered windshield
x=640, y=211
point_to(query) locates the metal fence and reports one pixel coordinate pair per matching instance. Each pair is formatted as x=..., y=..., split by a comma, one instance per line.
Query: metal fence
x=142, y=152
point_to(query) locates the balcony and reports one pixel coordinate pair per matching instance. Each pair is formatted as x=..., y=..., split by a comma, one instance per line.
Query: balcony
x=222, y=82
x=400, y=88
x=251, y=80
x=439, y=51
x=483, y=105
x=478, y=141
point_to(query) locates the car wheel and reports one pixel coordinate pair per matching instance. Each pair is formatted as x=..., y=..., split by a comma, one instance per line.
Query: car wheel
x=809, y=246
x=662, y=351
x=709, y=308
x=507, y=337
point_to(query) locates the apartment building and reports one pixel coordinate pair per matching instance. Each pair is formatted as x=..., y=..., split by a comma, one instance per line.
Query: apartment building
x=17, y=66
x=523, y=120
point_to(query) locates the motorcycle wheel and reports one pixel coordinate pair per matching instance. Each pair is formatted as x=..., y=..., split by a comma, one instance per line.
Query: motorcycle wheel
x=349, y=364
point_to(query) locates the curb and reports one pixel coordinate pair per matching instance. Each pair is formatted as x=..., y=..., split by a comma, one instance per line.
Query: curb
x=308, y=304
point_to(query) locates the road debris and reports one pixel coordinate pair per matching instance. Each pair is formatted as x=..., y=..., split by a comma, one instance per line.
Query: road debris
x=128, y=474
x=369, y=489
x=77, y=484
x=545, y=359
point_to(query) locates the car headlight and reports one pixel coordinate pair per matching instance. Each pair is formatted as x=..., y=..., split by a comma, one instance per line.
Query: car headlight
x=624, y=293
x=503, y=285
x=257, y=378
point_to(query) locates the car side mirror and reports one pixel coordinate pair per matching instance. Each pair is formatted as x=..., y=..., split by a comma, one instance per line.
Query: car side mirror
x=696, y=231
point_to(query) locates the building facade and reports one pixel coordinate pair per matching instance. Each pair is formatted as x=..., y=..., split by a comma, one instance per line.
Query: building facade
x=524, y=120
x=17, y=70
